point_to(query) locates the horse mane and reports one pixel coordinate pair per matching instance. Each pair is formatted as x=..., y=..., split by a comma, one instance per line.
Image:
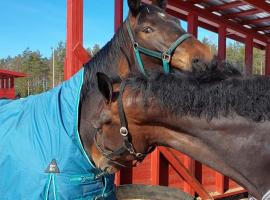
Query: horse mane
x=207, y=94
x=105, y=61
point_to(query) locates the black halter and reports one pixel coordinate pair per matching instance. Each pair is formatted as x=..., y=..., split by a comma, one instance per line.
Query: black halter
x=127, y=146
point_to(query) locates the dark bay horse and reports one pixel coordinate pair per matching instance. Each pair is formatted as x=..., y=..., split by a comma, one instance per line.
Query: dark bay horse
x=219, y=118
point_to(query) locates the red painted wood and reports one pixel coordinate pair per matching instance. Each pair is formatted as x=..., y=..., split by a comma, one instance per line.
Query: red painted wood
x=181, y=169
x=81, y=54
x=74, y=36
x=192, y=20
x=226, y=6
x=261, y=5
x=5, y=72
x=117, y=180
x=248, y=55
x=7, y=93
x=254, y=21
x=118, y=14
x=155, y=167
x=184, y=5
x=222, y=31
x=11, y=82
x=242, y=13
x=267, y=60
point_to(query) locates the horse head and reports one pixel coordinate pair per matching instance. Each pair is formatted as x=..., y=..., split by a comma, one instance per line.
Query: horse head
x=158, y=37
x=205, y=118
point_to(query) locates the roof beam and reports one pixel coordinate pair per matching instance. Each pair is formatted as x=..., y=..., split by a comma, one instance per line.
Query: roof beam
x=242, y=14
x=197, y=1
x=217, y=19
x=262, y=28
x=259, y=4
x=226, y=6
x=255, y=21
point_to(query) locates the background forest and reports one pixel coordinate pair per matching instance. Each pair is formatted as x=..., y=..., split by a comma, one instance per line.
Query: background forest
x=39, y=68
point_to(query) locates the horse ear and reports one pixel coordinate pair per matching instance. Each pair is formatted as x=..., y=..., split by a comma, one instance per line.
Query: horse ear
x=160, y=3
x=105, y=86
x=134, y=6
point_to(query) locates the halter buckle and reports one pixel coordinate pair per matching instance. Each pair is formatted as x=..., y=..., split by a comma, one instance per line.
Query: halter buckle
x=166, y=56
x=135, y=45
x=123, y=131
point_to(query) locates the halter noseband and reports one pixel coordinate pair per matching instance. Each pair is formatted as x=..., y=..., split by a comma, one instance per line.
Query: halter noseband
x=127, y=145
x=165, y=56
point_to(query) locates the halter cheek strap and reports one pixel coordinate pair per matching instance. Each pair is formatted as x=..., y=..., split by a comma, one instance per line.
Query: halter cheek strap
x=165, y=56
x=127, y=146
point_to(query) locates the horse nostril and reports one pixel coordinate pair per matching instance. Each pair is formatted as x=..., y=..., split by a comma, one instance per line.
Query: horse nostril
x=195, y=60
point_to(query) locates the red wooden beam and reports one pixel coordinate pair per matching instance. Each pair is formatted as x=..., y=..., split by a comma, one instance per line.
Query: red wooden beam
x=255, y=21
x=183, y=172
x=74, y=36
x=262, y=5
x=192, y=20
x=190, y=166
x=248, y=55
x=217, y=19
x=222, y=32
x=9, y=73
x=242, y=13
x=118, y=14
x=226, y=6
x=267, y=60
x=262, y=28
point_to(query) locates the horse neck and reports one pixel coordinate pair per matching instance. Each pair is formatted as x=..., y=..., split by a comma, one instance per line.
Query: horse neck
x=110, y=58
x=230, y=145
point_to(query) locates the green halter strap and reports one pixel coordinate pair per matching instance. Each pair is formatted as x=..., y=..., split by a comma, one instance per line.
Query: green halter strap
x=164, y=56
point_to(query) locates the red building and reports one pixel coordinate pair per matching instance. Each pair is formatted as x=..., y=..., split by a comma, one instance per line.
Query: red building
x=7, y=83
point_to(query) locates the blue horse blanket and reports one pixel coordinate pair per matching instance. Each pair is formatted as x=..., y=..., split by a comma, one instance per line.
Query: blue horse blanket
x=41, y=154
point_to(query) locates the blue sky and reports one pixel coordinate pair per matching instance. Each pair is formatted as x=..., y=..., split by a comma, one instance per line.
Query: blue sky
x=41, y=24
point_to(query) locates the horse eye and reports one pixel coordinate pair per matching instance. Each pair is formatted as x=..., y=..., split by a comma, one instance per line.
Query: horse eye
x=148, y=29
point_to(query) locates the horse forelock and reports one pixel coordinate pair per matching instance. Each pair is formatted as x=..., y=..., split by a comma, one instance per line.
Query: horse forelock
x=194, y=96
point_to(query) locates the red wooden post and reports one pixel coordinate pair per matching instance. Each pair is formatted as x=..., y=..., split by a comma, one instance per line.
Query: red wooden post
x=222, y=31
x=159, y=169
x=267, y=59
x=192, y=20
x=11, y=82
x=74, y=36
x=118, y=14
x=248, y=55
x=155, y=167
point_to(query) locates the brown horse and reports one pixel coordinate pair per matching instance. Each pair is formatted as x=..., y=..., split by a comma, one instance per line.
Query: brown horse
x=219, y=120
x=148, y=38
